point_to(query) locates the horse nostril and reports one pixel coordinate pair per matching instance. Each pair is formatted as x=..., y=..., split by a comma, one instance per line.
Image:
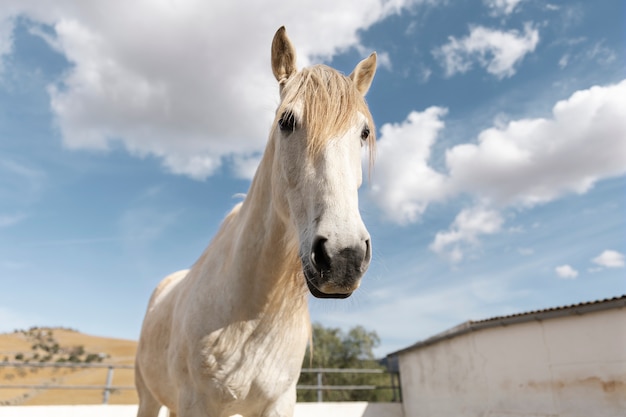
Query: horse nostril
x=319, y=256
x=368, y=250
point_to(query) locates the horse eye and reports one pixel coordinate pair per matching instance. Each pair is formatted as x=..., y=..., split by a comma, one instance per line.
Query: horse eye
x=287, y=122
x=365, y=133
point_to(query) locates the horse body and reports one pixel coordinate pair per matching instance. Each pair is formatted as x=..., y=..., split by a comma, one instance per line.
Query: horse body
x=228, y=336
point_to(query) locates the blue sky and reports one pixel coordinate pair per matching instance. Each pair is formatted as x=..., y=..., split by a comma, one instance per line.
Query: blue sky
x=127, y=132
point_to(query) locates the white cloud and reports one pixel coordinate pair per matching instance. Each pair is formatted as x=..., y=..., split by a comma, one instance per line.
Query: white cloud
x=522, y=162
x=502, y=7
x=463, y=234
x=245, y=165
x=566, y=272
x=403, y=184
x=424, y=74
x=601, y=54
x=496, y=51
x=609, y=259
x=188, y=82
x=519, y=163
x=534, y=161
x=598, y=53
x=6, y=39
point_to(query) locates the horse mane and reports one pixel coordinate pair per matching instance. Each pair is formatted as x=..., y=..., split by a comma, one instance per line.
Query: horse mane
x=330, y=103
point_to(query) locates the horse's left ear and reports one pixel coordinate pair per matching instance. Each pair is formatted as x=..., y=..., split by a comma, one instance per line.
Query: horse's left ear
x=283, y=56
x=363, y=74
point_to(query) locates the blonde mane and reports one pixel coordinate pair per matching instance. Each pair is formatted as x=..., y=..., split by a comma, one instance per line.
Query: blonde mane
x=330, y=104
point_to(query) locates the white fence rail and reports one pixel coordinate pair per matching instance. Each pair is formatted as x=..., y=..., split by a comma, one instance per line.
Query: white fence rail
x=107, y=388
x=320, y=387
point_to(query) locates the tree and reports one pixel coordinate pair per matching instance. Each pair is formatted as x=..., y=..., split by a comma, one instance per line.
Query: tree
x=333, y=348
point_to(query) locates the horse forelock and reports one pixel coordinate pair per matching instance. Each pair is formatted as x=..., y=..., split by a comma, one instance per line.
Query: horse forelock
x=328, y=104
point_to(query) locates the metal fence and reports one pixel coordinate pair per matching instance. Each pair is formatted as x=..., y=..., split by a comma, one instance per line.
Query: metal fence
x=319, y=387
x=107, y=388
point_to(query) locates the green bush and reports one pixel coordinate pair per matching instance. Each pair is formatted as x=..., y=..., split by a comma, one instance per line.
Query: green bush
x=333, y=348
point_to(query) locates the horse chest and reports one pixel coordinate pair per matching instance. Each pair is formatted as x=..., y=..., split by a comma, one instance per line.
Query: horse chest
x=249, y=364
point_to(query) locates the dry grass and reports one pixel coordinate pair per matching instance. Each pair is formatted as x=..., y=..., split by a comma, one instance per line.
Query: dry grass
x=119, y=351
x=13, y=342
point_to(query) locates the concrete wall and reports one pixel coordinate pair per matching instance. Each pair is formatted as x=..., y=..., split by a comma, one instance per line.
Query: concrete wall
x=344, y=409
x=570, y=366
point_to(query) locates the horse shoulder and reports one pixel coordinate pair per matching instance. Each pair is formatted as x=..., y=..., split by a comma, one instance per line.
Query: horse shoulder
x=165, y=287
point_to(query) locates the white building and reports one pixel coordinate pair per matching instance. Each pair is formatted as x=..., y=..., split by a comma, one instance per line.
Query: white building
x=565, y=361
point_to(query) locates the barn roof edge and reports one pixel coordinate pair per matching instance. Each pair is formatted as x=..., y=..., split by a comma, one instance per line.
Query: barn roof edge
x=534, y=315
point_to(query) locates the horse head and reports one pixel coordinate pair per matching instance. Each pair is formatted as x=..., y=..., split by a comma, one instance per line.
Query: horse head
x=320, y=128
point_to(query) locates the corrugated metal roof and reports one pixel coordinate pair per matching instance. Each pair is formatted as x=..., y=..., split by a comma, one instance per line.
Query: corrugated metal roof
x=545, y=314
x=580, y=308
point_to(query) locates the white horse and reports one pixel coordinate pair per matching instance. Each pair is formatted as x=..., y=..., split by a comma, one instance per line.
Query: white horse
x=228, y=336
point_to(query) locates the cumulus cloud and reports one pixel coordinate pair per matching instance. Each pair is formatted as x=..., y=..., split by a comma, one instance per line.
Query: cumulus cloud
x=518, y=164
x=532, y=161
x=566, y=272
x=403, y=183
x=524, y=162
x=497, y=51
x=188, y=82
x=464, y=232
x=609, y=259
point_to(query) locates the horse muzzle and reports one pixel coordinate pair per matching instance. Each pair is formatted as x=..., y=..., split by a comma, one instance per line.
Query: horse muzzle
x=335, y=273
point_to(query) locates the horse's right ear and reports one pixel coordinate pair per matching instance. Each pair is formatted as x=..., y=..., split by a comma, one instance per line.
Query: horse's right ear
x=363, y=74
x=283, y=56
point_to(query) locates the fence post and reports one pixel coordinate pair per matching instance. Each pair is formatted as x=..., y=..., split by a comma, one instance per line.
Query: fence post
x=107, y=386
x=319, y=387
x=393, y=386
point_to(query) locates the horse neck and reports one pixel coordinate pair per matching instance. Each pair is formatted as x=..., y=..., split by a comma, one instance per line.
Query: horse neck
x=264, y=249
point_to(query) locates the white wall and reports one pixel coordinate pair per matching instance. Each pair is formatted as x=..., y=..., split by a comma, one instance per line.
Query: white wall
x=570, y=366
x=348, y=409
x=344, y=409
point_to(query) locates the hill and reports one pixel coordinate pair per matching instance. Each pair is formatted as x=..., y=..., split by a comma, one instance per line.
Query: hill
x=40, y=346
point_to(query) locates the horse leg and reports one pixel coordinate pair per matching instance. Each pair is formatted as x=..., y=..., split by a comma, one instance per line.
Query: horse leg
x=148, y=405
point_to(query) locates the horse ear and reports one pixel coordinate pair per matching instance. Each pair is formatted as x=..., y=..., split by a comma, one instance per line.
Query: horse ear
x=283, y=56
x=363, y=74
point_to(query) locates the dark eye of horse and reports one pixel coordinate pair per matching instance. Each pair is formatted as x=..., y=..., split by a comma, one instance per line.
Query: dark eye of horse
x=365, y=133
x=287, y=122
